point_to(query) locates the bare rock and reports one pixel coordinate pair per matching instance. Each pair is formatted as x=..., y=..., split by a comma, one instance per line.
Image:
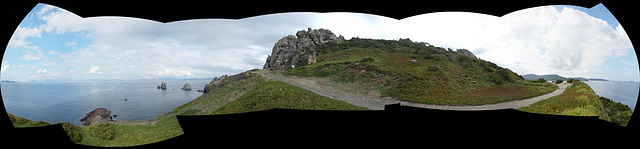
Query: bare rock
x=99, y=115
x=298, y=50
x=186, y=87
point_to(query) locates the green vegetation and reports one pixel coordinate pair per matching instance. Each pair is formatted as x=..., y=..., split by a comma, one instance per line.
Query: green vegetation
x=440, y=76
x=275, y=94
x=559, y=81
x=618, y=112
x=577, y=100
x=20, y=122
x=74, y=132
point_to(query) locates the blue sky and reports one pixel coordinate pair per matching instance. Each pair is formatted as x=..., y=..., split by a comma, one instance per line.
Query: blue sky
x=52, y=43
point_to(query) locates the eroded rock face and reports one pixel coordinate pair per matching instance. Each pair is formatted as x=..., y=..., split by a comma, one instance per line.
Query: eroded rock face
x=99, y=115
x=298, y=50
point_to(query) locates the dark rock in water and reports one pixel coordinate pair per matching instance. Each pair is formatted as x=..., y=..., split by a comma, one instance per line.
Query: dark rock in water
x=200, y=90
x=96, y=116
x=125, y=99
x=115, y=116
x=162, y=86
x=186, y=87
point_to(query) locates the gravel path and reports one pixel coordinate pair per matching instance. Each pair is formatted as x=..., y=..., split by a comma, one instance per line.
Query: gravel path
x=371, y=99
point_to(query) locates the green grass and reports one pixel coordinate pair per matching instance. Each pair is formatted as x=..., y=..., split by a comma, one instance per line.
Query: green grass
x=20, y=122
x=275, y=94
x=577, y=100
x=435, y=79
x=131, y=134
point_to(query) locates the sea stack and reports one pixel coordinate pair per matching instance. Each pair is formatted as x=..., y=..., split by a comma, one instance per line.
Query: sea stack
x=186, y=87
x=162, y=86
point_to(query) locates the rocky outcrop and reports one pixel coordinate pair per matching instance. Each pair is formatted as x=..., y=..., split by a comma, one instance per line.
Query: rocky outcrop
x=298, y=50
x=214, y=82
x=99, y=115
x=186, y=87
x=162, y=86
x=466, y=53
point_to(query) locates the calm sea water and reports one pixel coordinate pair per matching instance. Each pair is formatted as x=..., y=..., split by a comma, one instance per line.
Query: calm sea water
x=624, y=92
x=59, y=102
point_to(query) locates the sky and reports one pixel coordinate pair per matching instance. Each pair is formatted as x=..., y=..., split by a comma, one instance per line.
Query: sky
x=54, y=44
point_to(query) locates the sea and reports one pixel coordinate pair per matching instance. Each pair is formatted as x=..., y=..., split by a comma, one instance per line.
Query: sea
x=625, y=92
x=55, y=102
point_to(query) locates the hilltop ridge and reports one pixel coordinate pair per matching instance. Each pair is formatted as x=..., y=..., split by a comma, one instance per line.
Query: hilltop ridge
x=410, y=71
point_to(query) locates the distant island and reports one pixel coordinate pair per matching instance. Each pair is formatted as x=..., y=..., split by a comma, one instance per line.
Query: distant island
x=552, y=77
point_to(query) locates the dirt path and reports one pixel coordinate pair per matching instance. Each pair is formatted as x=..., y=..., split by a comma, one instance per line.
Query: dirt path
x=370, y=98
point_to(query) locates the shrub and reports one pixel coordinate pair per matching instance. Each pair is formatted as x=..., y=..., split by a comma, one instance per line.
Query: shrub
x=541, y=80
x=433, y=68
x=465, y=61
x=505, y=75
x=367, y=59
x=570, y=81
x=581, y=91
x=558, y=81
x=437, y=57
x=104, y=131
x=74, y=132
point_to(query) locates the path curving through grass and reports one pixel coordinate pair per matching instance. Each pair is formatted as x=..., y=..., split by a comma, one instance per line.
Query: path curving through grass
x=372, y=100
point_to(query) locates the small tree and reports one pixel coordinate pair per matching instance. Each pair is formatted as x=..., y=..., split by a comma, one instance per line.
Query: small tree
x=558, y=81
x=541, y=80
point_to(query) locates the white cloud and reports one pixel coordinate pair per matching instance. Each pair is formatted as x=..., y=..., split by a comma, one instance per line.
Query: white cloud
x=54, y=52
x=70, y=70
x=536, y=40
x=41, y=71
x=95, y=70
x=4, y=69
x=18, y=40
x=68, y=43
x=31, y=55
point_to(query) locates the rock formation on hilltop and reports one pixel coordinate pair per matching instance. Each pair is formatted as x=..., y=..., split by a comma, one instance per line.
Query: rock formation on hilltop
x=467, y=53
x=298, y=50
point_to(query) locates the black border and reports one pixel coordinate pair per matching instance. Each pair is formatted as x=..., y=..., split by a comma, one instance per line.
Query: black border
x=446, y=128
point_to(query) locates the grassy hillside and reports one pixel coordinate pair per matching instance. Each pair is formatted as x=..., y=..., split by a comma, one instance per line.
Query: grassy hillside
x=440, y=76
x=276, y=94
x=577, y=100
x=581, y=100
x=20, y=122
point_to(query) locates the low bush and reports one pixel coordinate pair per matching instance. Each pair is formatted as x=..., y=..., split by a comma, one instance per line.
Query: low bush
x=559, y=81
x=74, y=132
x=104, y=131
